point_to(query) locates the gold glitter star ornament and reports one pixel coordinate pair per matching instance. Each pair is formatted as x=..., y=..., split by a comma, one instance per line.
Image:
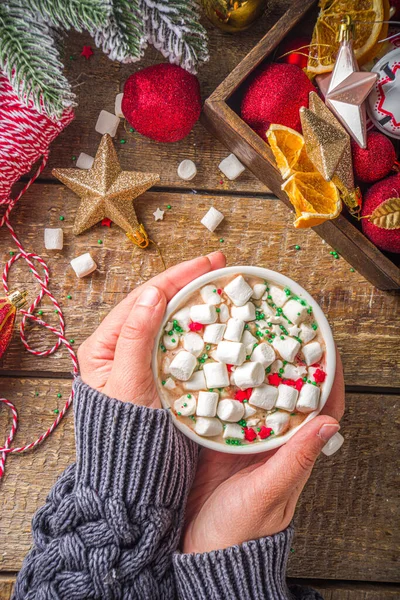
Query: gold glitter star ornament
x=108, y=192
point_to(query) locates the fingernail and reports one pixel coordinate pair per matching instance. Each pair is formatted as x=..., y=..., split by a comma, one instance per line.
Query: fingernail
x=214, y=253
x=149, y=297
x=328, y=431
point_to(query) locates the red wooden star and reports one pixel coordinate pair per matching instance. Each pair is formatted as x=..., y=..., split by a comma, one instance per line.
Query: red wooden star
x=106, y=222
x=87, y=52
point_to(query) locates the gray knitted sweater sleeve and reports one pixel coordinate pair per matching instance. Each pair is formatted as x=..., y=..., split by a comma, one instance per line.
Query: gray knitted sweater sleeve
x=111, y=525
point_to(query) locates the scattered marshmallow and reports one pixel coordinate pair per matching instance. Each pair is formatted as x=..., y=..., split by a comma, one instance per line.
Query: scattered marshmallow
x=249, y=411
x=193, y=343
x=307, y=333
x=212, y=219
x=213, y=334
x=287, y=397
x=223, y=313
x=183, y=318
x=107, y=123
x=158, y=214
x=308, y=398
x=230, y=410
x=85, y=161
x=183, y=365
x=207, y=404
x=169, y=384
x=258, y=291
x=248, y=340
x=245, y=313
x=312, y=353
x=187, y=170
x=264, y=354
x=118, y=106
x=203, y=313
x=83, y=265
x=196, y=382
x=216, y=375
x=234, y=330
x=249, y=374
x=278, y=295
x=333, y=445
x=278, y=421
x=185, y=406
x=287, y=348
x=264, y=396
x=208, y=427
x=53, y=239
x=233, y=430
x=209, y=294
x=231, y=353
x=276, y=365
x=231, y=167
x=295, y=311
x=239, y=291
x=170, y=341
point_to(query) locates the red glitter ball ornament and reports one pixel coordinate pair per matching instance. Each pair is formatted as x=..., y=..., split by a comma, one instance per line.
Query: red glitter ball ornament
x=162, y=102
x=276, y=95
x=386, y=239
x=376, y=160
x=296, y=52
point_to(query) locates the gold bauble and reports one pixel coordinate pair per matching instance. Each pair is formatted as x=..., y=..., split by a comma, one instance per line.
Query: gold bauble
x=233, y=15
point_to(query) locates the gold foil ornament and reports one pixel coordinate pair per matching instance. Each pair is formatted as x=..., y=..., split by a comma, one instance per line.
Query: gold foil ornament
x=108, y=192
x=233, y=15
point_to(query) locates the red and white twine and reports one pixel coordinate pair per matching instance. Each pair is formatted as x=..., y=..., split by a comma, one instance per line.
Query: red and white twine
x=25, y=136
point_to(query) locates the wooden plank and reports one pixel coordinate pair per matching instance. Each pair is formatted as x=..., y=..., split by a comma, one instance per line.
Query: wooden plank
x=345, y=523
x=256, y=231
x=6, y=586
x=336, y=590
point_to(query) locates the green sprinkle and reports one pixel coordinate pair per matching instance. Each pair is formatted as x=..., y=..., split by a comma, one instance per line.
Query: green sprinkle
x=221, y=240
x=269, y=297
x=304, y=379
x=40, y=312
x=72, y=341
x=185, y=404
x=281, y=371
x=189, y=396
x=242, y=422
x=11, y=253
x=74, y=158
x=214, y=291
x=331, y=252
x=309, y=310
x=248, y=357
x=163, y=348
x=282, y=337
x=269, y=324
x=99, y=241
x=297, y=247
x=292, y=550
x=59, y=395
x=292, y=414
x=171, y=332
x=169, y=206
x=56, y=411
x=62, y=218
x=309, y=381
x=352, y=270
x=268, y=369
x=279, y=311
x=208, y=347
x=122, y=141
x=314, y=382
x=179, y=414
x=36, y=393
x=246, y=326
x=211, y=389
x=287, y=292
x=56, y=311
x=69, y=297
x=303, y=302
x=218, y=310
x=72, y=57
x=173, y=340
x=314, y=326
x=284, y=362
x=163, y=382
x=131, y=129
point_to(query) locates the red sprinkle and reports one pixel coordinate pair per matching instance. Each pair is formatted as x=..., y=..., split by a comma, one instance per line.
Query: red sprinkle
x=219, y=291
x=249, y=434
x=195, y=326
x=264, y=432
x=229, y=367
x=319, y=376
x=290, y=382
x=274, y=379
x=299, y=384
x=241, y=395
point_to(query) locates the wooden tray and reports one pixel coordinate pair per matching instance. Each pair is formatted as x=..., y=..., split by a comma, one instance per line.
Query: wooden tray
x=220, y=116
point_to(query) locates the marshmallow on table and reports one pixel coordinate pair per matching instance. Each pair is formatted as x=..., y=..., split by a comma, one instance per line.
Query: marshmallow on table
x=230, y=410
x=171, y=341
x=118, y=105
x=187, y=170
x=250, y=374
x=231, y=353
x=278, y=295
x=185, y=406
x=264, y=354
x=264, y=396
x=85, y=161
x=53, y=239
x=207, y=404
x=223, y=313
x=212, y=219
x=169, y=384
x=208, y=426
x=278, y=421
x=308, y=398
x=107, y=123
x=234, y=330
x=216, y=375
x=83, y=265
x=193, y=343
x=203, y=313
x=258, y=291
x=287, y=348
x=333, y=445
x=233, y=430
x=231, y=167
x=183, y=365
x=213, y=334
x=249, y=411
x=238, y=291
x=287, y=397
x=209, y=294
x=295, y=311
x=196, y=382
x=307, y=333
x=245, y=313
x=312, y=353
x=183, y=318
x=248, y=340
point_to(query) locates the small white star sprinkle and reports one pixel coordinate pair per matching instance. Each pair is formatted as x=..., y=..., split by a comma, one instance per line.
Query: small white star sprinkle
x=294, y=330
x=158, y=214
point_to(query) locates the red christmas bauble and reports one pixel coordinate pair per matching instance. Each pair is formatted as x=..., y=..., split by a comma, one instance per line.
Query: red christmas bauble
x=376, y=160
x=275, y=95
x=296, y=52
x=385, y=239
x=162, y=102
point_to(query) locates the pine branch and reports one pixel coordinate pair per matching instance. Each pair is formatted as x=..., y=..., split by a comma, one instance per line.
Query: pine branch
x=172, y=26
x=30, y=60
x=122, y=37
x=79, y=14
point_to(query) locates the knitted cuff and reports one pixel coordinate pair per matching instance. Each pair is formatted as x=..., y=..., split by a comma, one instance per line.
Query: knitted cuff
x=131, y=451
x=256, y=570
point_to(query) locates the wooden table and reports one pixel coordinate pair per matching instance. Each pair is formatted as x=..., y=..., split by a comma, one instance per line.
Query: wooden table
x=347, y=540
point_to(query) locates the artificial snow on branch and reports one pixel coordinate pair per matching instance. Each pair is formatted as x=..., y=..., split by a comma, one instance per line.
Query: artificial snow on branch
x=122, y=37
x=79, y=14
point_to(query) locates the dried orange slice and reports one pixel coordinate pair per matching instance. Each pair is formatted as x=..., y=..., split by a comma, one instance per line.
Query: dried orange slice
x=314, y=199
x=365, y=16
x=289, y=150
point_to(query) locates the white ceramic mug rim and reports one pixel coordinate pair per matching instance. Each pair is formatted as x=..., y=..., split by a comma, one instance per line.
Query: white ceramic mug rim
x=330, y=355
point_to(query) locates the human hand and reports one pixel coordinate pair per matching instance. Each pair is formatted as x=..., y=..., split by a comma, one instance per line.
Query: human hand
x=116, y=358
x=237, y=498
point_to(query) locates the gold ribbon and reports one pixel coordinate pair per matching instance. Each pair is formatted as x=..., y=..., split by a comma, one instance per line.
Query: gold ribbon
x=139, y=237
